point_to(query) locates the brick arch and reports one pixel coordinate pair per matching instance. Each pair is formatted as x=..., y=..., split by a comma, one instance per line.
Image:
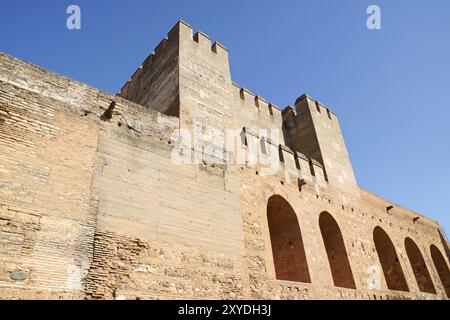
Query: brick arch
x=392, y=270
x=336, y=252
x=441, y=268
x=419, y=267
x=288, y=251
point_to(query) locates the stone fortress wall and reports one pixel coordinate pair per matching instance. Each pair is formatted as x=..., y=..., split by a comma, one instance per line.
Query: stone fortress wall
x=92, y=205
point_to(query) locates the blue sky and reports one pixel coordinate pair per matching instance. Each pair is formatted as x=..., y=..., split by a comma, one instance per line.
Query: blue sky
x=390, y=88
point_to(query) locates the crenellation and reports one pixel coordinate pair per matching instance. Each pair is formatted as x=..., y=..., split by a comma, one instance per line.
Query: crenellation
x=147, y=61
x=287, y=158
x=320, y=108
x=304, y=164
x=261, y=103
x=247, y=96
x=264, y=108
x=181, y=27
x=220, y=49
x=161, y=46
x=274, y=108
x=318, y=171
x=203, y=40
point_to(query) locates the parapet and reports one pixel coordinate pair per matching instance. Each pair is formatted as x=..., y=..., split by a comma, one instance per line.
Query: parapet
x=319, y=107
x=292, y=163
x=166, y=78
x=205, y=41
x=155, y=83
x=250, y=100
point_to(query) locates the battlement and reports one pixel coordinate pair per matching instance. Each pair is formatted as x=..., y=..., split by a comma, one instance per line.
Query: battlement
x=250, y=100
x=264, y=152
x=200, y=37
x=173, y=35
x=189, y=77
x=158, y=82
x=319, y=107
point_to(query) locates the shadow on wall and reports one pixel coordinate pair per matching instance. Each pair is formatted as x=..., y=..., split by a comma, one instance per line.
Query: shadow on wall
x=289, y=255
x=336, y=252
x=393, y=272
x=291, y=264
x=419, y=267
x=441, y=268
x=288, y=249
x=445, y=245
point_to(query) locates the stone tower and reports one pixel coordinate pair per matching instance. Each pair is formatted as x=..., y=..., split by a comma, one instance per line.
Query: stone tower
x=187, y=77
x=314, y=131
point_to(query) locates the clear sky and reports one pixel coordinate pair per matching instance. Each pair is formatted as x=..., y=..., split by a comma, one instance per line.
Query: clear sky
x=390, y=88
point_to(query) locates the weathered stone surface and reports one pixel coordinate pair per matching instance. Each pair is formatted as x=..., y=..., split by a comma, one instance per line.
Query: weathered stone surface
x=93, y=207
